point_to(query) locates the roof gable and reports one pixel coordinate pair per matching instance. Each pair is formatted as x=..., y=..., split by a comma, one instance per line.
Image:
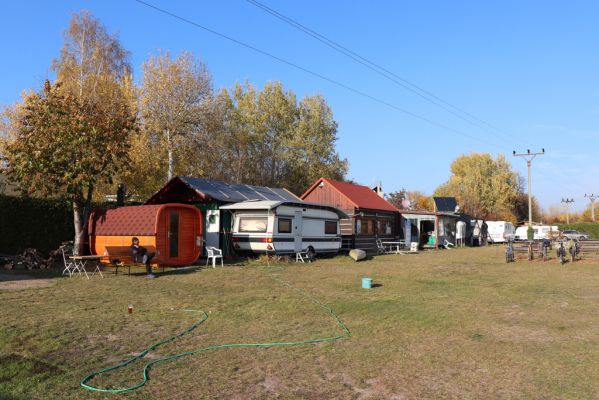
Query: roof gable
x=360, y=196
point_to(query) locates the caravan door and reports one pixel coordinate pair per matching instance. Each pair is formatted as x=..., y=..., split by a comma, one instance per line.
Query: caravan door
x=297, y=231
x=212, y=228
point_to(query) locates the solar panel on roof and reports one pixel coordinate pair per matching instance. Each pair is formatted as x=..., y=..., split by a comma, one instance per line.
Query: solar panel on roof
x=445, y=204
x=232, y=192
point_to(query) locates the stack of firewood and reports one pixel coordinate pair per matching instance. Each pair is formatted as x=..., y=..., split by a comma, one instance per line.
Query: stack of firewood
x=29, y=259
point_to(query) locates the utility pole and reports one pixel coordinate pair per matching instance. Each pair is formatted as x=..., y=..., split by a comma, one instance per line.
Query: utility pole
x=567, y=202
x=528, y=156
x=592, y=198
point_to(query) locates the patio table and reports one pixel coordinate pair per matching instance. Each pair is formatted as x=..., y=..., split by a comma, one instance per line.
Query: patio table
x=81, y=262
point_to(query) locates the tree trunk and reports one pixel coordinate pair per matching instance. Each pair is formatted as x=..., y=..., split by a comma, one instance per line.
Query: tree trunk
x=171, y=161
x=81, y=211
x=78, y=222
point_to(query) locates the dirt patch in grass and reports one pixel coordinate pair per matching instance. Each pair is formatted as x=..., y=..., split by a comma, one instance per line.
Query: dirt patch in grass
x=10, y=281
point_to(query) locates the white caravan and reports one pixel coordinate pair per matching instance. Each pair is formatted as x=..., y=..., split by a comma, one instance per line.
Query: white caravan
x=501, y=231
x=540, y=232
x=283, y=227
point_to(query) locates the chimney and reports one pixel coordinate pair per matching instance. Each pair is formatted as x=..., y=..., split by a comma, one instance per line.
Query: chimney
x=378, y=189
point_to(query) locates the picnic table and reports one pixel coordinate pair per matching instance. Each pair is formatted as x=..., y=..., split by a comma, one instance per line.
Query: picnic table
x=79, y=263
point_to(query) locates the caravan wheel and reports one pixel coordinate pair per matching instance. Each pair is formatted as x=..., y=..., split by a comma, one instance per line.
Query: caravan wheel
x=311, y=253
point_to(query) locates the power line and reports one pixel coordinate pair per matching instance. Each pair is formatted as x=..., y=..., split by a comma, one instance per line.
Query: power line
x=377, y=68
x=313, y=73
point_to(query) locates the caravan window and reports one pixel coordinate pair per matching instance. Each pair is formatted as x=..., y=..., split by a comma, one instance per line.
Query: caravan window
x=253, y=224
x=330, y=227
x=284, y=225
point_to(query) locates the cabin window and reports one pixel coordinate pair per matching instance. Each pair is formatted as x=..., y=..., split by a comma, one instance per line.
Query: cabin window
x=253, y=224
x=384, y=227
x=367, y=227
x=284, y=225
x=330, y=227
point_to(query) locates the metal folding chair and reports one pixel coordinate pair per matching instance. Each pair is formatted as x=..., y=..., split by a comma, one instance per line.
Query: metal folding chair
x=69, y=265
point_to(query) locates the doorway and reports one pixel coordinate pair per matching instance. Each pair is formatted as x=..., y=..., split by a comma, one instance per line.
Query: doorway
x=173, y=234
x=297, y=231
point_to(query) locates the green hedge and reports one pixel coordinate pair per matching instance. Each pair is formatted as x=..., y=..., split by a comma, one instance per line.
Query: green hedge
x=592, y=228
x=30, y=222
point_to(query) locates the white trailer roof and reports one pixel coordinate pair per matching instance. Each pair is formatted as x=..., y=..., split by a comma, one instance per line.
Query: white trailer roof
x=271, y=204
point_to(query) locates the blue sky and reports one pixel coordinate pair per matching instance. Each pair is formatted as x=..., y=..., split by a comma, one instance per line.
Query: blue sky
x=529, y=68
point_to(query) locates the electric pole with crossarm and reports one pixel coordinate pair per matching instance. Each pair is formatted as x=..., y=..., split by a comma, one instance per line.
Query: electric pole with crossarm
x=592, y=198
x=529, y=157
x=567, y=202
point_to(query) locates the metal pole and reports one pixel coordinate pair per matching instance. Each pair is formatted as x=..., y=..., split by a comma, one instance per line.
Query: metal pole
x=529, y=157
x=567, y=202
x=592, y=198
x=529, y=162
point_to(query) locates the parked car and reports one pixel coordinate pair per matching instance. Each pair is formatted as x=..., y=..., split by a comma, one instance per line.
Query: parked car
x=577, y=235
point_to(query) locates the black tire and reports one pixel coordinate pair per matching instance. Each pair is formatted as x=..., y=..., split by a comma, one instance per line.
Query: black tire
x=311, y=253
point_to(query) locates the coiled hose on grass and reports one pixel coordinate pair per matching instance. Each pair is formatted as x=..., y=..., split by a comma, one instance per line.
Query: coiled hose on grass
x=85, y=381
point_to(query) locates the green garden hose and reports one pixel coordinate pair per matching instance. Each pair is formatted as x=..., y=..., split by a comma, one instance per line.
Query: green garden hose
x=88, y=378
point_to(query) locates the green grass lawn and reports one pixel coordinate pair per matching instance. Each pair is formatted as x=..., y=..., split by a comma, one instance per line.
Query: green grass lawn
x=443, y=324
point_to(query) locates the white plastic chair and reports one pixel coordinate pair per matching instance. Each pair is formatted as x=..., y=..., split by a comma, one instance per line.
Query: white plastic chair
x=380, y=249
x=447, y=244
x=69, y=265
x=214, y=253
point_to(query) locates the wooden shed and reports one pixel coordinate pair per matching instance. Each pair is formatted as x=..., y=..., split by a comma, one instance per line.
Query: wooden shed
x=173, y=231
x=371, y=217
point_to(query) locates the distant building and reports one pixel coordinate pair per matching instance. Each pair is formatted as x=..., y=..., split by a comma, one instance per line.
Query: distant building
x=431, y=229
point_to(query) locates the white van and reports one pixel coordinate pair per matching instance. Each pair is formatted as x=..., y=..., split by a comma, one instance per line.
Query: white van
x=501, y=231
x=284, y=227
x=540, y=232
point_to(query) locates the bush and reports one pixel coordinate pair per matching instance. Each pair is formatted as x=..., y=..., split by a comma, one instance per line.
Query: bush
x=592, y=228
x=31, y=222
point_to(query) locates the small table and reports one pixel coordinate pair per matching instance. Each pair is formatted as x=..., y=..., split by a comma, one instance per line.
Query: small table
x=81, y=261
x=394, y=247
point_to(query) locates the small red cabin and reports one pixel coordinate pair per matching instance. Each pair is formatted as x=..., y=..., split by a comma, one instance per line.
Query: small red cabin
x=173, y=231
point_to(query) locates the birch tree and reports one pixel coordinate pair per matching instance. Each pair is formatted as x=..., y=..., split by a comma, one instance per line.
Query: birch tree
x=94, y=89
x=175, y=94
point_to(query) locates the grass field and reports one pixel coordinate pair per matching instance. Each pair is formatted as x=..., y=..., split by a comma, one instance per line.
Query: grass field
x=455, y=324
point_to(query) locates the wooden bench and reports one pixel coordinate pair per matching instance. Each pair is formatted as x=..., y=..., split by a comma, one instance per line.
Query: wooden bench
x=121, y=256
x=588, y=248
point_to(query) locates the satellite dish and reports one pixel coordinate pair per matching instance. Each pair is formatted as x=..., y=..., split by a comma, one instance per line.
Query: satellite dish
x=405, y=203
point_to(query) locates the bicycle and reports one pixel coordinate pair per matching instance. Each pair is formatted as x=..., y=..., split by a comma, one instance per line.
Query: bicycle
x=545, y=244
x=509, y=252
x=561, y=252
x=574, y=250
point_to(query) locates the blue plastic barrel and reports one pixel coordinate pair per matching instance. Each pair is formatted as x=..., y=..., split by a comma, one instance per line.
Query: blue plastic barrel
x=366, y=283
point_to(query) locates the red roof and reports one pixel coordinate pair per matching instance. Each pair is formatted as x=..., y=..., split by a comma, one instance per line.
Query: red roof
x=125, y=221
x=361, y=196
